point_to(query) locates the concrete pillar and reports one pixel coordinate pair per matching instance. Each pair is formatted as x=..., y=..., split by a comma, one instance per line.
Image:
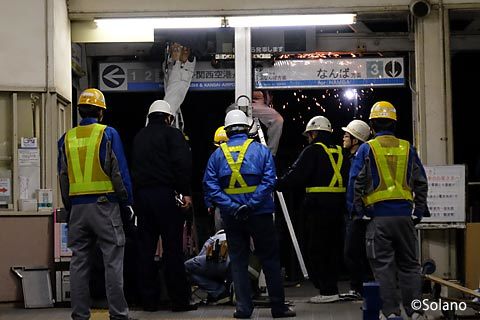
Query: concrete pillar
x=432, y=96
x=433, y=121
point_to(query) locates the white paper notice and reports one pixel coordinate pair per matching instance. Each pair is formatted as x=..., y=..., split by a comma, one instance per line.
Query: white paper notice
x=24, y=182
x=28, y=157
x=446, y=193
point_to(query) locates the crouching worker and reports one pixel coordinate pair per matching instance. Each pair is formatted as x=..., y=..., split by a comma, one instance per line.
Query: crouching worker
x=209, y=270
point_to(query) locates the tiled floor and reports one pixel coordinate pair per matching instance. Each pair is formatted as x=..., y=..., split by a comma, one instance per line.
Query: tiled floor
x=299, y=296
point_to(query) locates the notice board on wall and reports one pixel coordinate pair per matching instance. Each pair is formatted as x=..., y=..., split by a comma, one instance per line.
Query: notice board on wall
x=446, y=193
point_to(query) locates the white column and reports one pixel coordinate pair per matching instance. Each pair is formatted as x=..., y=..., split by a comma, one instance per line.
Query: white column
x=433, y=117
x=432, y=96
x=243, y=63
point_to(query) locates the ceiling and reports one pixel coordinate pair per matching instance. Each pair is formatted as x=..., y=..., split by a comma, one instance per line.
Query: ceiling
x=376, y=32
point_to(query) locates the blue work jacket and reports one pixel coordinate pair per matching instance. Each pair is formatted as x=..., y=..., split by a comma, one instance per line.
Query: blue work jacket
x=111, y=151
x=364, y=178
x=258, y=169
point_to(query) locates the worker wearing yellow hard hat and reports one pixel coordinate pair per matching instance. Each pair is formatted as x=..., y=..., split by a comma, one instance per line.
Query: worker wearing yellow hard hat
x=220, y=136
x=383, y=110
x=388, y=185
x=93, y=97
x=97, y=193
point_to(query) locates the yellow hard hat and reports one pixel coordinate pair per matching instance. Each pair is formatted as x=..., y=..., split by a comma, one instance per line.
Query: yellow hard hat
x=92, y=97
x=383, y=110
x=220, y=136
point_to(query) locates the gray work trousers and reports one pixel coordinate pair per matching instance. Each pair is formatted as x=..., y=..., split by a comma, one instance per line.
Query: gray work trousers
x=391, y=245
x=208, y=275
x=177, y=80
x=270, y=118
x=89, y=223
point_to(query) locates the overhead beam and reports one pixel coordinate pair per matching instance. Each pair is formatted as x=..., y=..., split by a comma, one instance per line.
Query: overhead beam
x=365, y=42
x=360, y=27
x=88, y=9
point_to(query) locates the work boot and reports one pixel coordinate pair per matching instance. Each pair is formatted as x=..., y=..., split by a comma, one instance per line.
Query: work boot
x=222, y=298
x=391, y=316
x=351, y=295
x=284, y=314
x=239, y=315
x=184, y=307
x=324, y=299
x=418, y=316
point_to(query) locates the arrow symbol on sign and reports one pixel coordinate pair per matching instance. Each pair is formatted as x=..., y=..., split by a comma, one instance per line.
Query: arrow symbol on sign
x=393, y=69
x=112, y=76
x=3, y=190
x=395, y=72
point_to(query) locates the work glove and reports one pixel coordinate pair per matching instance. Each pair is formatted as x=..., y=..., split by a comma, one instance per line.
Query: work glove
x=129, y=219
x=417, y=216
x=242, y=213
x=416, y=219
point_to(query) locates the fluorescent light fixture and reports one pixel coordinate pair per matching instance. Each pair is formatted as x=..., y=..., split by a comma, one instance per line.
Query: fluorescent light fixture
x=291, y=20
x=160, y=23
x=131, y=26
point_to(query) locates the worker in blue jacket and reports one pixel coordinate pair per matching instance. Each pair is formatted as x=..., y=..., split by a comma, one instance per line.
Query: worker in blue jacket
x=96, y=187
x=388, y=185
x=240, y=179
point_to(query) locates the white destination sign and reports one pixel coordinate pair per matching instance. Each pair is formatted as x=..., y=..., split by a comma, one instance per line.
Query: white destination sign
x=327, y=73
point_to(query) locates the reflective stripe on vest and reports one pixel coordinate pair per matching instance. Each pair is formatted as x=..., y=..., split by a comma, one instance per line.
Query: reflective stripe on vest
x=85, y=173
x=391, y=158
x=235, y=167
x=337, y=176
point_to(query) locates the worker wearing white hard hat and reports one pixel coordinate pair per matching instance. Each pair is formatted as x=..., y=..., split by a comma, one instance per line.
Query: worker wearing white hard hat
x=356, y=133
x=161, y=106
x=320, y=171
x=161, y=168
x=239, y=179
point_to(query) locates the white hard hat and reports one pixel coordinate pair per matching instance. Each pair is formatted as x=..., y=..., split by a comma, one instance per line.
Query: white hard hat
x=160, y=106
x=318, y=123
x=359, y=129
x=236, y=117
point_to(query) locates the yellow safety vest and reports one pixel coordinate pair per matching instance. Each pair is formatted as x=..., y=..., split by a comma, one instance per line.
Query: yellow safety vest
x=85, y=173
x=391, y=158
x=336, y=184
x=235, y=167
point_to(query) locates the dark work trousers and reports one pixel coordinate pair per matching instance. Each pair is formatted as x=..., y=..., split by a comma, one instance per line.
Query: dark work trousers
x=158, y=215
x=98, y=222
x=262, y=230
x=354, y=255
x=324, y=248
x=391, y=245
